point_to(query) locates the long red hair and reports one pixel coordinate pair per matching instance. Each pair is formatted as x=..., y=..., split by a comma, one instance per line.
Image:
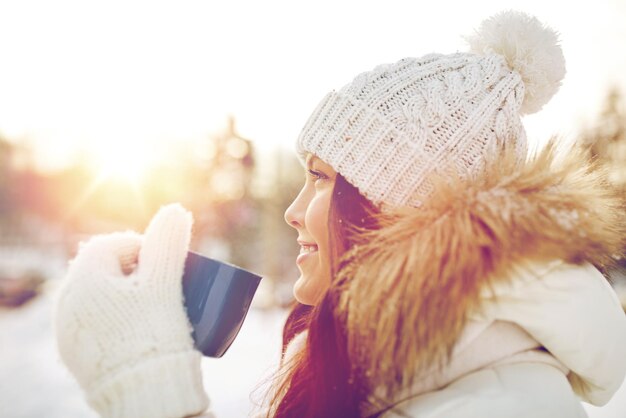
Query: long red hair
x=321, y=381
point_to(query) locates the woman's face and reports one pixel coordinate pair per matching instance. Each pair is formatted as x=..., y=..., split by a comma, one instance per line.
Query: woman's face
x=308, y=214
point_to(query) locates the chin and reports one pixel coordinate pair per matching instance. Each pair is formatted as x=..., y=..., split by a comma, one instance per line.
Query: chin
x=305, y=293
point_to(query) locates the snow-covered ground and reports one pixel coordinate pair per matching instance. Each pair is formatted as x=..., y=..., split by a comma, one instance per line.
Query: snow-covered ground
x=33, y=382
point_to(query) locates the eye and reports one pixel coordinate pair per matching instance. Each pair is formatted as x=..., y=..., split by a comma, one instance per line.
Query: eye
x=316, y=175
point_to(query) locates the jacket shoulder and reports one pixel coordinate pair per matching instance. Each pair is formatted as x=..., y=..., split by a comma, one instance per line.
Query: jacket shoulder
x=509, y=391
x=573, y=312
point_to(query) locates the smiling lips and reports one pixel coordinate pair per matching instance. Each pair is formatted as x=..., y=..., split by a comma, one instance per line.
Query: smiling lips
x=305, y=250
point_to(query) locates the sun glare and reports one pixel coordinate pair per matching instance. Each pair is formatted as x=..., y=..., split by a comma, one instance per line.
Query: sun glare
x=122, y=162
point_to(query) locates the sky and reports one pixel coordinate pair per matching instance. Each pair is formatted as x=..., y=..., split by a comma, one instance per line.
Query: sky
x=134, y=77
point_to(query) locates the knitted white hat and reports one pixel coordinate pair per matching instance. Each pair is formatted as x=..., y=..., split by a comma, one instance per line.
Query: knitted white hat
x=391, y=128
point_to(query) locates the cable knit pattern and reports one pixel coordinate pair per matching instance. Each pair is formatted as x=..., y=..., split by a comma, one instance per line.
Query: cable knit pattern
x=126, y=337
x=389, y=129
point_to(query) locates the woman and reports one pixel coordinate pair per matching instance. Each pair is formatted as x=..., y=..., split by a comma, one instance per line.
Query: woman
x=443, y=272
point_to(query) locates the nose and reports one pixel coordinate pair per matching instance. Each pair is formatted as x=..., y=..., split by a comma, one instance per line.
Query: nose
x=294, y=215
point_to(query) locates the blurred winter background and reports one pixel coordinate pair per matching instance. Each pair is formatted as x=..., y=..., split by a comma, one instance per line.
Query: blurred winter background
x=109, y=110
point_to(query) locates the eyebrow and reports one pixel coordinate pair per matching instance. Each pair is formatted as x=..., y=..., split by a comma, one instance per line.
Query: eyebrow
x=310, y=160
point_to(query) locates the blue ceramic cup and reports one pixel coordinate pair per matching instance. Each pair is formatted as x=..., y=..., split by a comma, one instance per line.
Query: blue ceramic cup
x=217, y=298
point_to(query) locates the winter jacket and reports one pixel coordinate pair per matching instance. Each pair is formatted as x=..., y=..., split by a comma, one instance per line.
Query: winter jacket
x=577, y=333
x=575, y=318
x=572, y=349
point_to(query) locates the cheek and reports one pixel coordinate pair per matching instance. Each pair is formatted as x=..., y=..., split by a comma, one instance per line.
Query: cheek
x=316, y=221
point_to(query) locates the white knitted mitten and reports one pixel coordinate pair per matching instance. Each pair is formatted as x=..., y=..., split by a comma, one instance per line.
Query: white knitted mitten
x=126, y=337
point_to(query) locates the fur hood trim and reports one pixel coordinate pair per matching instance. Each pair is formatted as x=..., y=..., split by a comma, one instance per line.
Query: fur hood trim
x=406, y=290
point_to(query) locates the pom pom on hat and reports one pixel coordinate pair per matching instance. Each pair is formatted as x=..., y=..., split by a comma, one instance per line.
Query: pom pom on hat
x=530, y=48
